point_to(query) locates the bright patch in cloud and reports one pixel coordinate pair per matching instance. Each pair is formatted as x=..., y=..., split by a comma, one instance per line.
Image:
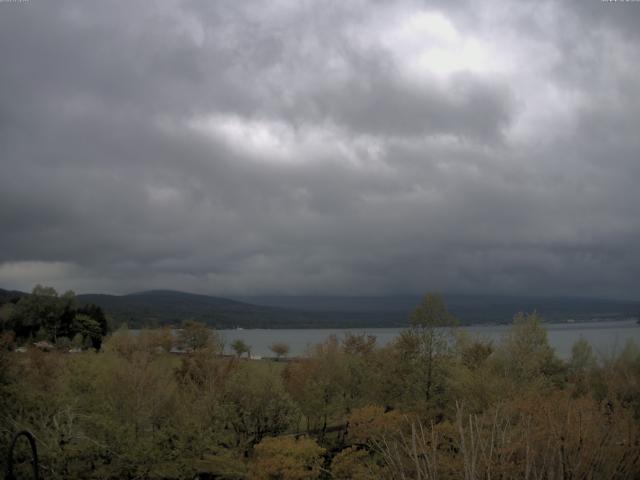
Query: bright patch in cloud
x=256, y=138
x=278, y=142
x=427, y=43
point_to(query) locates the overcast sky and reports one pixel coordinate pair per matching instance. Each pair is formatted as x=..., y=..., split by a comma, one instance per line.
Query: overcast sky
x=321, y=147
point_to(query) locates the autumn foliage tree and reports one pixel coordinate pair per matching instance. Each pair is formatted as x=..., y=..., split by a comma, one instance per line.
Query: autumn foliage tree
x=287, y=458
x=280, y=349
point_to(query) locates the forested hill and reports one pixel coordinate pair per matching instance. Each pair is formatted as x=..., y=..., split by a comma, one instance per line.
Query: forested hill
x=166, y=307
x=162, y=307
x=469, y=309
x=10, y=295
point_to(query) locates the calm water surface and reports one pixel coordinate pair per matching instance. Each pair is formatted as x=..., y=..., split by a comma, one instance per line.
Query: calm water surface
x=605, y=337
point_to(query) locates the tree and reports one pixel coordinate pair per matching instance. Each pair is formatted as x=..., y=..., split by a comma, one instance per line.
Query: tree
x=287, y=458
x=162, y=339
x=197, y=336
x=47, y=315
x=430, y=329
x=256, y=406
x=473, y=352
x=360, y=367
x=582, y=359
x=204, y=372
x=6, y=314
x=90, y=329
x=525, y=355
x=358, y=344
x=372, y=423
x=581, y=366
x=123, y=342
x=319, y=383
x=354, y=464
x=42, y=291
x=280, y=349
x=42, y=310
x=96, y=312
x=240, y=347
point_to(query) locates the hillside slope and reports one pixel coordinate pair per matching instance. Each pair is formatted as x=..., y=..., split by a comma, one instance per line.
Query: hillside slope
x=165, y=307
x=469, y=309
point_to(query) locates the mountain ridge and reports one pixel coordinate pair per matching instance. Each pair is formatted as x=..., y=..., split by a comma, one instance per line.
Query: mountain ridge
x=172, y=307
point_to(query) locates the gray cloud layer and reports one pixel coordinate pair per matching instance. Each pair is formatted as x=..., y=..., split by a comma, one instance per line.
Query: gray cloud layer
x=305, y=147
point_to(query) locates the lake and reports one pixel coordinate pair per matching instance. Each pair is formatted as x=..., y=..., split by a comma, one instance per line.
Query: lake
x=605, y=337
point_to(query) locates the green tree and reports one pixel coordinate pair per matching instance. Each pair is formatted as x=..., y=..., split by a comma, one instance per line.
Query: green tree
x=6, y=314
x=47, y=315
x=42, y=310
x=581, y=365
x=525, y=356
x=89, y=329
x=582, y=358
x=429, y=336
x=256, y=405
x=95, y=312
x=361, y=370
x=240, y=347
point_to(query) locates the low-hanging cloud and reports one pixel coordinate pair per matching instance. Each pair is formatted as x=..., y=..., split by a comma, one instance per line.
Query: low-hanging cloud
x=293, y=147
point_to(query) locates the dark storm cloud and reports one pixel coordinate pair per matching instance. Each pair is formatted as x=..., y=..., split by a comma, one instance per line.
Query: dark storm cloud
x=289, y=147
